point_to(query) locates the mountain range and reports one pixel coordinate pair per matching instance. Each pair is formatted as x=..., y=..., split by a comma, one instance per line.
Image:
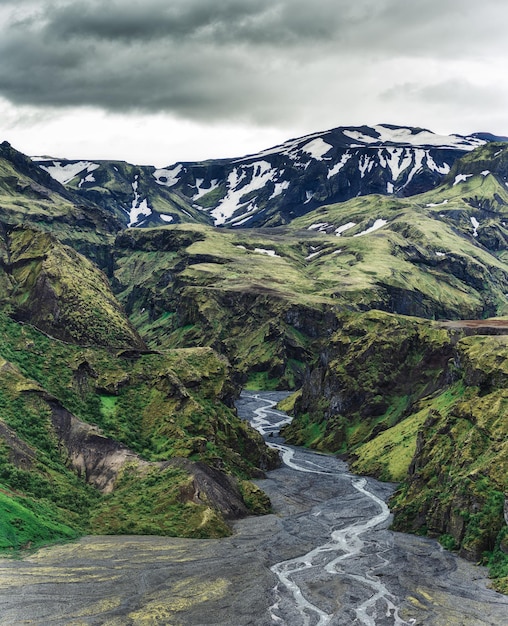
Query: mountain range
x=365, y=267
x=274, y=186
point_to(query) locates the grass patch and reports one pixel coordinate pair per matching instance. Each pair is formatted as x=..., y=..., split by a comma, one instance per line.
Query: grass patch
x=261, y=381
x=25, y=523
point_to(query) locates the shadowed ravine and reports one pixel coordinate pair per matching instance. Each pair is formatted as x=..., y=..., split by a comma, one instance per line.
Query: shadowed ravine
x=325, y=557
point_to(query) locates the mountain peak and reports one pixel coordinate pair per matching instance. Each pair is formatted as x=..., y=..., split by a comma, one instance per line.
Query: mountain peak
x=274, y=185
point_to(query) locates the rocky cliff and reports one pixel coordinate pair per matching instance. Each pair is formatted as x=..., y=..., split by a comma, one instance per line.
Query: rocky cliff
x=422, y=404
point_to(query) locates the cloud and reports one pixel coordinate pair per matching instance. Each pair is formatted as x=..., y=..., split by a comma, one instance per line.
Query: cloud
x=449, y=92
x=264, y=61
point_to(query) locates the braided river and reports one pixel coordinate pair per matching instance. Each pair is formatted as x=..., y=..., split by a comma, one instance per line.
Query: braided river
x=325, y=557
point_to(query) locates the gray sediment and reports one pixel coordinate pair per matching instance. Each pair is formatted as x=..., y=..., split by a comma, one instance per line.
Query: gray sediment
x=392, y=579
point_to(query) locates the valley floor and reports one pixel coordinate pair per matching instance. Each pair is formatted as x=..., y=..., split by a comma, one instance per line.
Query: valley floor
x=122, y=581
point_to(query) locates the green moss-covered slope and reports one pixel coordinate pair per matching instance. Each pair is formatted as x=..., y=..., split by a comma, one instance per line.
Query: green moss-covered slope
x=422, y=404
x=61, y=292
x=192, y=285
x=370, y=372
x=30, y=196
x=95, y=435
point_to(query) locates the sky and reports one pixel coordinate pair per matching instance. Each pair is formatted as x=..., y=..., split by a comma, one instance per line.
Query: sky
x=160, y=81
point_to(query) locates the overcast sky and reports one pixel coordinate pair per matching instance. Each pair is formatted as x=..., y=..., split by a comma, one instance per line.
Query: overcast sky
x=156, y=81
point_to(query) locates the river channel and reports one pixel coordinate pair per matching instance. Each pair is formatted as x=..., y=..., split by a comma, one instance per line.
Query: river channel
x=325, y=557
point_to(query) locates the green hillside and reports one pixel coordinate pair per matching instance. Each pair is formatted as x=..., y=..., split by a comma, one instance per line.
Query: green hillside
x=117, y=384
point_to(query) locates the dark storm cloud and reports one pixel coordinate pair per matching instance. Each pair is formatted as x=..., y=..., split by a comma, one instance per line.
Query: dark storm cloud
x=213, y=59
x=153, y=19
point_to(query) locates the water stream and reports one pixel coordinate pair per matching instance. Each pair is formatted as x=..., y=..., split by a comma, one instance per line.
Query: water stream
x=345, y=543
x=356, y=550
x=325, y=557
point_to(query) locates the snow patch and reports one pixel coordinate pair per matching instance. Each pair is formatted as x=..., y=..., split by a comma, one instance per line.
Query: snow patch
x=313, y=254
x=202, y=191
x=267, y=252
x=338, y=166
x=262, y=173
x=440, y=254
x=139, y=207
x=279, y=188
x=166, y=218
x=137, y=210
x=485, y=172
x=398, y=160
x=365, y=165
x=88, y=179
x=317, y=148
x=431, y=204
x=337, y=251
x=460, y=178
x=318, y=226
x=288, y=148
x=376, y=226
x=65, y=173
x=168, y=177
x=476, y=225
x=359, y=136
x=389, y=187
x=440, y=169
x=243, y=221
x=343, y=228
x=421, y=138
x=419, y=156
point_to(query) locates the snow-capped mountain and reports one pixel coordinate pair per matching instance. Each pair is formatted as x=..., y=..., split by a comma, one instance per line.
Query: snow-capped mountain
x=275, y=185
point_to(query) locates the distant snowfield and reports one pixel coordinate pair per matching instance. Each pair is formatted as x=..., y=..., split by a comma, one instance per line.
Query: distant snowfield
x=139, y=207
x=168, y=177
x=252, y=187
x=317, y=148
x=419, y=139
x=260, y=172
x=65, y=173
x=314, y=144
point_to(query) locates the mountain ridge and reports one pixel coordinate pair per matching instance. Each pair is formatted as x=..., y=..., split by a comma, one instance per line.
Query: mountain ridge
x=272, y=186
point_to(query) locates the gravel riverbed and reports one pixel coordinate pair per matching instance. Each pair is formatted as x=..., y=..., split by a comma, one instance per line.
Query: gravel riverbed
x=325, y=557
